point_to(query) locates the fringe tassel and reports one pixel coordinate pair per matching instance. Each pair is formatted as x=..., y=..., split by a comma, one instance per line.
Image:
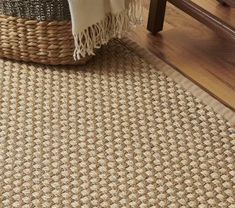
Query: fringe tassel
x=113, y=26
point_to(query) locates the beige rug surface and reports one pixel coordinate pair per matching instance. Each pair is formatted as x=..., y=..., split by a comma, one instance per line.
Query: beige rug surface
x=115, y=133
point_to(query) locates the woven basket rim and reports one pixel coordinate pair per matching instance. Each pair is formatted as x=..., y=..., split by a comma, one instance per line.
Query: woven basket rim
x=44, y=42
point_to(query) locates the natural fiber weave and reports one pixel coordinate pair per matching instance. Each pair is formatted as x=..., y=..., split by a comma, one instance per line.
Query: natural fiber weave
x=114, y=133
x=37, y=31
x=43, y=42
x=41, y=10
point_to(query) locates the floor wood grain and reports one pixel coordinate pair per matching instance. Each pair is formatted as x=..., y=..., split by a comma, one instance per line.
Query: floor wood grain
x=199, y=53
x=224, y=12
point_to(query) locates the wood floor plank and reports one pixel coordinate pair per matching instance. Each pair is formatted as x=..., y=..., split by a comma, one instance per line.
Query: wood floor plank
x=224, y=12
x=194, y=50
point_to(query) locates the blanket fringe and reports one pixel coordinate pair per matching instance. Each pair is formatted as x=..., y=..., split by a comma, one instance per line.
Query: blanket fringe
x=113, y=26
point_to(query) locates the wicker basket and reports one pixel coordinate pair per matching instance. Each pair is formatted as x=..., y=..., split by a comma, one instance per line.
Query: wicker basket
x=37, y=31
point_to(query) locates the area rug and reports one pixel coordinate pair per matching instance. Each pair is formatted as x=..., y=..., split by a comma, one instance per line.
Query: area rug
x=118, y=132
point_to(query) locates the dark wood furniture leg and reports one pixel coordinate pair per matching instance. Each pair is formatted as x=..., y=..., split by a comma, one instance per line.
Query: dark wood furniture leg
x=156, y=15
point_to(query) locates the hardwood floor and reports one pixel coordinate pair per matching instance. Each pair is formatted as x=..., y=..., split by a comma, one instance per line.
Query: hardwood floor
x=200, y=54
x=226, y=13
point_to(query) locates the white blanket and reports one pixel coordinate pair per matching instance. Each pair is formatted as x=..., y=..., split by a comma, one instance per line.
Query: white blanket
x=95, y=22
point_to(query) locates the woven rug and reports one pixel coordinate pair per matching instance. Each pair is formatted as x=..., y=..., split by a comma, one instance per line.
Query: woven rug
x=117, y=132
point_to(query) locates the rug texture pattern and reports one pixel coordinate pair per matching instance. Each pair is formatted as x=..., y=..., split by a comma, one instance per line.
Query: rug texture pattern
x=114, y=133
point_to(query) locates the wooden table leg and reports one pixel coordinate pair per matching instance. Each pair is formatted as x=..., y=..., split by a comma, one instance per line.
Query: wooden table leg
x=156, y=15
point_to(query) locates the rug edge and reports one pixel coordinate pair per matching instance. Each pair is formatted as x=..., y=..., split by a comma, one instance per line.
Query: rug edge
x=179, y=78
